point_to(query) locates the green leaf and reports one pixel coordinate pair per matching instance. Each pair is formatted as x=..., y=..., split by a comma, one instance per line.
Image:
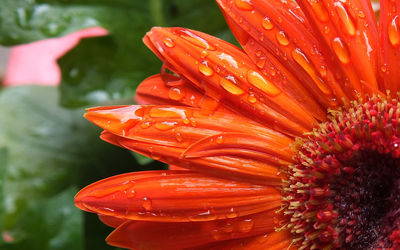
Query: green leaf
x=106, y=68
x=50, y=149
x=54, y=223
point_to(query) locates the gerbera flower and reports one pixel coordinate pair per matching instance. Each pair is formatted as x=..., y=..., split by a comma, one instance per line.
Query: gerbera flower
x=292, y=142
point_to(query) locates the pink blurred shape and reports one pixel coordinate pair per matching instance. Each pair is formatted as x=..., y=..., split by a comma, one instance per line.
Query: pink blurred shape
x=36, y=63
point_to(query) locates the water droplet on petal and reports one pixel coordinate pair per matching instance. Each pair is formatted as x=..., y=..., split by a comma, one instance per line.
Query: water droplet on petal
x=230, y=86
x=169, y=43
x=393, y=32
x=252, y=99
x=244, y=4
x=176, y=94
x=267, y=24
x=196, y=40
x=205, y=216
x=147, y=204
x=345, y=19
x=165, y=125
x=227, y=227
x=303, y=61
x=257, y=80
x=340, y=50
x=282, y=38
x=205, y=69
x=178, y=137
x=231, y=214
x=246, y=225
x=319, y=9
x=219, y=139
x=145, y=125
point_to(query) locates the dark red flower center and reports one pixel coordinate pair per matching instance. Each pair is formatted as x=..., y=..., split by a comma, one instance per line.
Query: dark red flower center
x=344, y=191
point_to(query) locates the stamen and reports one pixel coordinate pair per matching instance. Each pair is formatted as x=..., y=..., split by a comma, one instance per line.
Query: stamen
x=344, y=191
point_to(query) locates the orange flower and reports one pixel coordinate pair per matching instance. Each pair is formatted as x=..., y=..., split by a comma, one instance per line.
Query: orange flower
x=263, y=164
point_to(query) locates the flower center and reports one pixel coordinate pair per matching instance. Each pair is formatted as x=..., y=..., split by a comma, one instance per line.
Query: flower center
x=344, y=190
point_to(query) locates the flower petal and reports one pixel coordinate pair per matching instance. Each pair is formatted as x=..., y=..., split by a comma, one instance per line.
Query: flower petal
x=111, y=221
x=175, y=196
x=276, y=36
x=165, y=132
x=271, y=241
x=229, y=167
x=350, y=33
x=226, y=74
x=177, y=91
x=142, y=235
x=389, y=28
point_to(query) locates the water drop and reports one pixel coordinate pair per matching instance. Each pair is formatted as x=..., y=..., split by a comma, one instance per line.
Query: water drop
x=260, y=62
x=147, y=204
x=230, y=86
x=246, y=225
x=203, y=54
x=169, y=43
x=267, y=24
x=385, y=68
x=164, y=112
x=145, y=125
x=178, y=137
x=323, y=71
x=205, y=216
x=205, y=69
x=303, y=61
x=257, y=80
x=165, y=125
x=219, y=139
x=252, y=99
x=176, y=94
x=227, y=227
x=231, y=213
x=345, y=19
x=319, y=10
x=244, y=4
x=393, y=32
x=282, y=38
x=340, y=50
x=196, y=40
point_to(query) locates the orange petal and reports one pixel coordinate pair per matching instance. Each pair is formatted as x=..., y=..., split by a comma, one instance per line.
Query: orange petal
x=158, y=235
x=226, y=74
x=349, y=30
x=389, y=29
x=111, y=221
x=166, y=89
x=165, y=132
x=175, y=196
x=271, y=241
x=229, y=167
x=181, y=126
x=239, y=144
x=277, y=38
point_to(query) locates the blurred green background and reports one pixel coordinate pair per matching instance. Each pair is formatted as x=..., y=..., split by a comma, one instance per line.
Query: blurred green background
x=48, y=151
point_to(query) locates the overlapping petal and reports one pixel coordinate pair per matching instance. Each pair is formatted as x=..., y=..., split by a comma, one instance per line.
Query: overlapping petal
x=349, y=32
x=174, y=196
x=277, y=37
x=226, y=74
x=185, y=235
x=177, y=135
